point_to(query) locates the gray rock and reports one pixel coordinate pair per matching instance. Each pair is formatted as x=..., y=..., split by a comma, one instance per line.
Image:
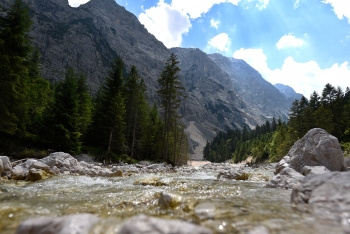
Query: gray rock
x=286, y=179
x=20, y=171
x=78, y=224
x=205, y=210
x=347, y=161
x=63, y=161
x=317, y=148
x=316, y=170
x=326, y=195
x=6, y=165
x=1, y=167
x=282, y=164
x=142, y=224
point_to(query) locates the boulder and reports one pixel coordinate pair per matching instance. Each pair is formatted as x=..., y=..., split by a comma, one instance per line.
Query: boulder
x=5, y=165
x=317, y=148
x=307, y=170
x=63, y=161
x=37, y=174
x=142, y=224
x=326, y=194
x=78, y=223
x=286, y=179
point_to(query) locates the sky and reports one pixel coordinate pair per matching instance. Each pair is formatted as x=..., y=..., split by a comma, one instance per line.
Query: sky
x=301, y=43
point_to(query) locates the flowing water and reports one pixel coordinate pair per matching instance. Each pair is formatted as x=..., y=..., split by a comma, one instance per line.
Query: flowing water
x=225, y=206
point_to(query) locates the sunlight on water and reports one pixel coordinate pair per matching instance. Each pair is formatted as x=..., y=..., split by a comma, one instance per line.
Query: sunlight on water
x=225, y=206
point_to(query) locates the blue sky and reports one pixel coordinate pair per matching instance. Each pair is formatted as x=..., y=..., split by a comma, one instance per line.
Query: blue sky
x=301, y=43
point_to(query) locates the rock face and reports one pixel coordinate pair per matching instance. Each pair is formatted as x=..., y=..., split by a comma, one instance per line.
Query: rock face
x=317, y=148
x=324, y=194
x=262, y=99
x=79, y=223
x=289, y=92
x=142, y=224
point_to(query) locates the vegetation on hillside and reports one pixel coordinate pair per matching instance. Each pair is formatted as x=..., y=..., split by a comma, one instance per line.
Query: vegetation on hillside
x=118, y=124
x=272, y=140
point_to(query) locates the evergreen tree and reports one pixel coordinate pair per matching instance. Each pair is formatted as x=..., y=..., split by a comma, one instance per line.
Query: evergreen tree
x=15, y=49
x=108, y=128
x=171, y=95
x=136, y=112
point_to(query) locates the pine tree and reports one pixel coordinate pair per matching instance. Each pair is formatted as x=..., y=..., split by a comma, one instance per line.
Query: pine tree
x=15, y=49
x=136, y=112
x=108, y=128
x=171, y=95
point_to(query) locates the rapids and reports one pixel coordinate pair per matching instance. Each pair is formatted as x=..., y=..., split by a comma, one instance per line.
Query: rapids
x=224, y=206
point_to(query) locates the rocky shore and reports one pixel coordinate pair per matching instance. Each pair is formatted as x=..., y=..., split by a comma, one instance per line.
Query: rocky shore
x=314, y=170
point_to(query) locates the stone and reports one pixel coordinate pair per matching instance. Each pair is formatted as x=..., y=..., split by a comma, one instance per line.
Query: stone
x=142, y=224
x=286, y=179
x=117, y=173
x=1, y=167
x=282, y=164
x=169, y=200
x=316, y=170
x=234, y=174
x=37, y=174
x=317, y=148
x=78, y=223
x=6, y=165
x=327, y=194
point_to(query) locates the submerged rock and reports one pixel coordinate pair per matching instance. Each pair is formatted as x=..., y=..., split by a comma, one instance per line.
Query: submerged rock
x=205, y=210
x=169, y=200
x=79, y=223
x=143, y=224
x=325, y=195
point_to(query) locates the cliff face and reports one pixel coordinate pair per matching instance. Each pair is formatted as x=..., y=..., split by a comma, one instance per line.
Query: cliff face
x=221, y=93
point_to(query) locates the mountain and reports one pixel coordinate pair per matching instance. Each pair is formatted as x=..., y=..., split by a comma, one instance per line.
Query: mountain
x=288, y=91
x=222, y=92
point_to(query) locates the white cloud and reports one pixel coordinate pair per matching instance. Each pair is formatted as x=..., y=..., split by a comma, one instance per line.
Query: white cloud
x=76, y=3
x=296, y=4
x=234, y=2
x=214, y=23
x=289, y=41
x=303, y=77
x=166, y=23
x=220, y=42
x=340, y=7
x=262, y=4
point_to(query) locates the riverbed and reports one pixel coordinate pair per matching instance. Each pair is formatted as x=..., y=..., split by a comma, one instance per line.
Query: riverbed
x=224, y=206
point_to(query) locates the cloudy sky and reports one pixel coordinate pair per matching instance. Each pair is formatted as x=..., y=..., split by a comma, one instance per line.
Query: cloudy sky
x=301, y=43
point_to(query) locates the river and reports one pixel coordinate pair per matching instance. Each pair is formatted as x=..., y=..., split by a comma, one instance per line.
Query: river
x=224, y=206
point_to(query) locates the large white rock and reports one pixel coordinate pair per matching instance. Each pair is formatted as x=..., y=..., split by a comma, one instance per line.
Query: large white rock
x=317, y=148
x=78, y=223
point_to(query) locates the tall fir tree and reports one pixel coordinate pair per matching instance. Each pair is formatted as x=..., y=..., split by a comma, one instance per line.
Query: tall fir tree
x=171, y=94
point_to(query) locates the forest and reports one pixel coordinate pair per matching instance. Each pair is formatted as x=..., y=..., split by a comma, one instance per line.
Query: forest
x=116, y=124
x=271, y=141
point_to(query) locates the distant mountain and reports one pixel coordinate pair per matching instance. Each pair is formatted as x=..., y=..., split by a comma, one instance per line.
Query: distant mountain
x=288, y=91
x=222, y=92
